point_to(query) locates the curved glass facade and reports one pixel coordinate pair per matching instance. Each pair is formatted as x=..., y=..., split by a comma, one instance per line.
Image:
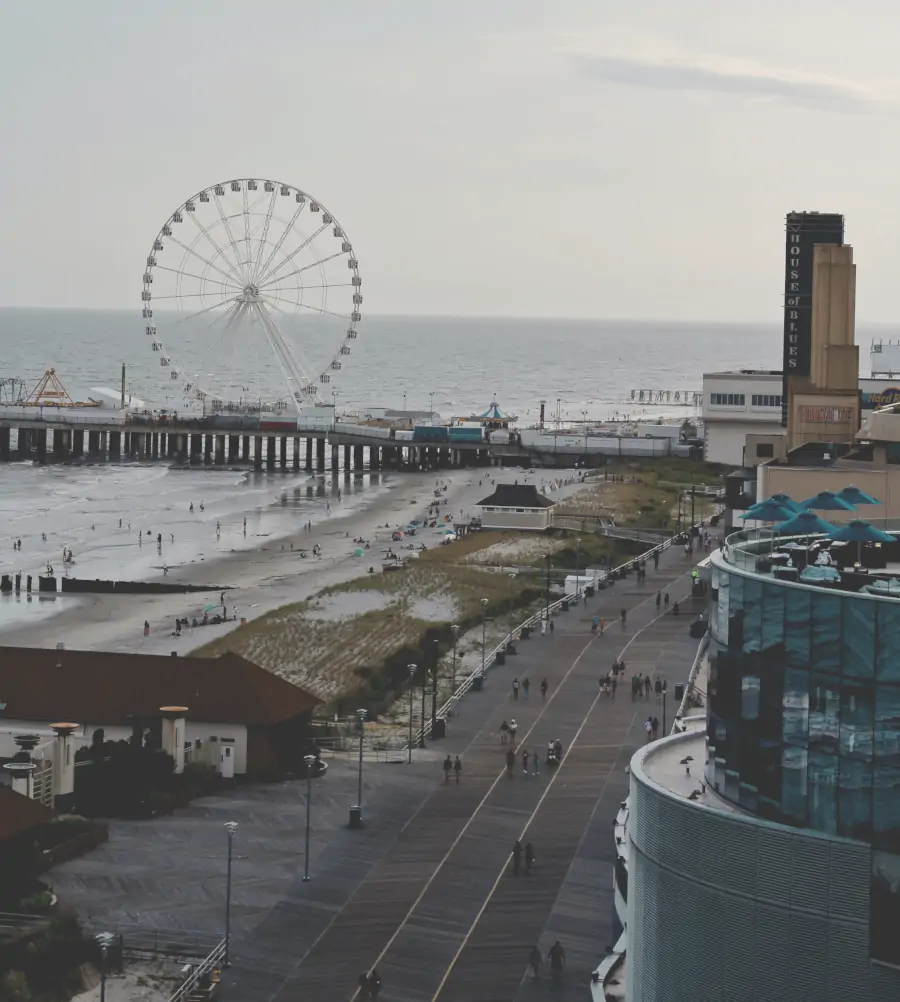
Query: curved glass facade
x=804, y=713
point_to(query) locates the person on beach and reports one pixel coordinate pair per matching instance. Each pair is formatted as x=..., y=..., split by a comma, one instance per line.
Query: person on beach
x=192, y=506
x=146, y=628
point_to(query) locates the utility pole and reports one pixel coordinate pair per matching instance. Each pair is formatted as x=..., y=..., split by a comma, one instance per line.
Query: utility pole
x=434, y=686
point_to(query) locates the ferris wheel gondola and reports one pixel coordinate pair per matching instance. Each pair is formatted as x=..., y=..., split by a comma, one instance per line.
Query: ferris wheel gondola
x=245, y=283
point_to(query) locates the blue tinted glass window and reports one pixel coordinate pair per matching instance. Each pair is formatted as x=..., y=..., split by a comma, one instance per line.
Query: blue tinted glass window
x=858, y=637
x=750, y=697
x=855, y=780
x=773, y=615
x=752, y=614
x=826, y=632
x=822, y=776
x=888, y=647
x=886, y=792
x=824, y=711
x=797, y=627
x=793, y=784
x=795, y=703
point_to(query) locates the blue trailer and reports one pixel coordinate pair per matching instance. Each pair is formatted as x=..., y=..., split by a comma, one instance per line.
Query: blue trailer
x=430, y=435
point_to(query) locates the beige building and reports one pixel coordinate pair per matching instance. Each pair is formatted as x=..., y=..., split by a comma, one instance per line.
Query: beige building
x=825, y=405
x=516, y=506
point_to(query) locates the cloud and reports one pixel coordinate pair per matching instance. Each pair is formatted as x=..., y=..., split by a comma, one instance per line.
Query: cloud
x=730, y=77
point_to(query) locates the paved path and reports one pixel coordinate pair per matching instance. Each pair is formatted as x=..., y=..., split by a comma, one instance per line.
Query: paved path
x=431, y=903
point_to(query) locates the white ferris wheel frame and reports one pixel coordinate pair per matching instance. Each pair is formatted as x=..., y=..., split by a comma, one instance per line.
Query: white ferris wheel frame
x=251, y=289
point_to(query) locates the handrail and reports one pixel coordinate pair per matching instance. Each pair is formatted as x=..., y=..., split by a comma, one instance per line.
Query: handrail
x=692, y=678
x=204, y=967
x=491, y=657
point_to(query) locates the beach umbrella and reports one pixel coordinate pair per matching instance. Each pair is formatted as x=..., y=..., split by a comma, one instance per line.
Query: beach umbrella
x=857, y=497
x=859, y=532
x=827, y=501
x=806, y=523
x=358, y=552
x=769, y=511
x=786, y=501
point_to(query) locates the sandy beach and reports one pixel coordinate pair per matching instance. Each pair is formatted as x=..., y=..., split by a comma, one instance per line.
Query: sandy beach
x=263, y=577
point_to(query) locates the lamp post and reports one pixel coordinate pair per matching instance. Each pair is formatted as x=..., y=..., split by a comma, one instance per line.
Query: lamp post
x=310, y=762
x=577, y=567
x=422, y=714
x=454, y=631
x=431, y=408
x=361, y=716
x=484, y=605
x=547, y=598
x=409, y=744
x=231, y=828
x=434, y=686
x=104, y=941
x=664, y=693
x=584, y=415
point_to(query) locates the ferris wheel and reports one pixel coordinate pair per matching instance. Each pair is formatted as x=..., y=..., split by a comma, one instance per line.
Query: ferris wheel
x=251, y=298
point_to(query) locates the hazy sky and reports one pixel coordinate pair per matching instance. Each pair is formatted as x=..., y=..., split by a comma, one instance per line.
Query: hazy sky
x=489, y=157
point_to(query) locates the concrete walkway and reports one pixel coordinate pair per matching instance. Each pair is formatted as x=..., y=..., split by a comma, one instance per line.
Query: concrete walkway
x=427, y=897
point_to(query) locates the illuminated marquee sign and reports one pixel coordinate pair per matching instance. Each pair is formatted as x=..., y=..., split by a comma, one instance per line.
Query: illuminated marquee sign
x=884, y=398
x=826, y=415
x=803, y=230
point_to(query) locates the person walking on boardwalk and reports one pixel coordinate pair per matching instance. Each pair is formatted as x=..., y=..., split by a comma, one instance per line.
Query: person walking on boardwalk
x=517, y=857
x=612, y=687
x=534, y=763
x=666, y=600
x=526, y=685
x=510, y=762
x=525, y=761
x=551, y=627
x=623, y=615
x=374, y=984
x=658, y=600
x=655, y=726
x=457, y=768
x=513, y=728
x=543, y=627
x=448, y=766
x=504, y=732
x=656, y=560
x=658, y=689
x=544, y=688
x=363, y=983
x=529, y=857
x=647, y=685
x=557, y=958
x=648, y=727
x=515, y=688
x=534, y=962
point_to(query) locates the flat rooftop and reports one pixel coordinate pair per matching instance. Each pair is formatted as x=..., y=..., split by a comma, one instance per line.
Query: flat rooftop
x=677, y=764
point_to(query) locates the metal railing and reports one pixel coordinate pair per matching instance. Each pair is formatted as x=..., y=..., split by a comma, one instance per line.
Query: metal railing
x=206, y=966
x=490, y=657
x=140, y=943
x=684, y=706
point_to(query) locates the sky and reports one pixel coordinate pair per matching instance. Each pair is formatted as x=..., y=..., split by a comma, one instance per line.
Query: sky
x=580, y=158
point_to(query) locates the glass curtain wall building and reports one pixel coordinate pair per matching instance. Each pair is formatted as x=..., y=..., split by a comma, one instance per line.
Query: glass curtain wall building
x=804, y=716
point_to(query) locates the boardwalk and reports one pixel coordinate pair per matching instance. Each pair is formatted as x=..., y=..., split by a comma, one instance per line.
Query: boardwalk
x=437, y=910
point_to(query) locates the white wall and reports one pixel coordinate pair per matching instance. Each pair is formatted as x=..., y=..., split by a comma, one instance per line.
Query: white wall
x=84, y=734
x=724, y=440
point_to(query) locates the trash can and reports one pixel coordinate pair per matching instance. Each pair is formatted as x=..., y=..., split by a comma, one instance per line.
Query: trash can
x=478, y=682
x=356, y=817
x=501, y=657
x=440, y=728
x=565, y=605
x=526, y=632
x=589, y=590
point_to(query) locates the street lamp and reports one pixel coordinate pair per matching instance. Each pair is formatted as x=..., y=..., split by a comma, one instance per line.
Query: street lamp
x=584, y=415
x=547, y=597
x=431, y=408
x=409, y=745
x=577, y=567
x=104, y=941
x=484, y=605
x=422, y=714
x=434, y=686
x=361, y=716
x=231, y=828
x=310, y=761
x=454, y=631
x=664, y=694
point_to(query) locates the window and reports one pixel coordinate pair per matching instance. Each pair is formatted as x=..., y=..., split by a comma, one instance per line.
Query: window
x=727, y=399
x=765, y=450
x=765, y=400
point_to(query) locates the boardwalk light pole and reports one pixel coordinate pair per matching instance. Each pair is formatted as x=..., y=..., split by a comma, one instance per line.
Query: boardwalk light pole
x=409, y=744
x=231, y=828
x=434, y=687
x=422, y=714
x=104, y=941
x=547, y=598
x=484, y=605
x=664, y=693
x=310, y=761
x=454, y=631
x=577, y=567
x=356, y=819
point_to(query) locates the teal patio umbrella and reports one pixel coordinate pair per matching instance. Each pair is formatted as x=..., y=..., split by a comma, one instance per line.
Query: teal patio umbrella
x=769, y=510
x=857, y=497
x=859, y=532
x=805, y=523
x=827, y=501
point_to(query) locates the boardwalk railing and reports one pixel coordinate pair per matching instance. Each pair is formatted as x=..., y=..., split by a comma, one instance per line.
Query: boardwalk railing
x=209, y=963
x=139, y=943
x=490, y=656
x=685, y=704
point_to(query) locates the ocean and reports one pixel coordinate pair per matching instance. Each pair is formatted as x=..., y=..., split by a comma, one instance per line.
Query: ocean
x=575, y=366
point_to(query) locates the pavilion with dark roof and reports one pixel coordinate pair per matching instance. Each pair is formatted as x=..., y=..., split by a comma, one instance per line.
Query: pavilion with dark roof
x=516, y=506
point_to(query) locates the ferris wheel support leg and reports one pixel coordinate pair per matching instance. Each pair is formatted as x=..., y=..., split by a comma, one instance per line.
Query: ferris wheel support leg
x=308, y=463
x=297, y=452
x=258, y=452
x=320, y=454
